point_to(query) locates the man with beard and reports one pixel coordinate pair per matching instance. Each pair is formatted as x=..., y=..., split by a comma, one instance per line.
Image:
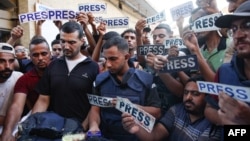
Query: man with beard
x=8, y=79
x=121, y=80
x=182, y=122
x=228, y=110
x=67, y=80
x=24, y=93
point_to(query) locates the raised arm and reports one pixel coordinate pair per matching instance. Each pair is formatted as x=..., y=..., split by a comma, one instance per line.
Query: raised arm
x=16, y=33
x=97, y=51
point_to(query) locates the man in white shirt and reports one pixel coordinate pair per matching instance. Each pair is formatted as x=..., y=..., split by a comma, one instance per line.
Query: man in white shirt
x=8, y=78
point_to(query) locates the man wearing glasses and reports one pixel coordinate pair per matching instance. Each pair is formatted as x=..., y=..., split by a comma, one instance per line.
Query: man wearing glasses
x=8, y=78
x=237, y=72
x=56, y=49
x=182, y=122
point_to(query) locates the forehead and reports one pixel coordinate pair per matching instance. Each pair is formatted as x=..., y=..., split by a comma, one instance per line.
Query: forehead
x=160, y=31
x=41, y=46
x=73, y=35
x=191, y=86
x=112, y=51
x=129, y=34
x=6, y=56
x=19, y=47
x=239, y=21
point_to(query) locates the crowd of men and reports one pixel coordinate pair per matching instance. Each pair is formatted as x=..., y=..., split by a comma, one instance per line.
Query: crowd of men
x=108, y=64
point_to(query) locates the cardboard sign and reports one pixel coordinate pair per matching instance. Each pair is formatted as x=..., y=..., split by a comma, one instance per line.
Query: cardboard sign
x=183, y=10
x=237, y=92
x=175, y=42
x=100, y=101
x=93, y=7
x=47, y=15
x=156, y=18
x=119, y=22
x=181, y=63
x=206, y=23
x=155, y=49
x=143, y=118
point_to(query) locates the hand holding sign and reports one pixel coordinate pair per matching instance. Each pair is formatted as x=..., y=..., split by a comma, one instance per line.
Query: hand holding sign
x=160, y=61
x=83, y=19
x=139, y=26
x=190, y=41
x=233, y=111
x=101, y=28
x=129, y=124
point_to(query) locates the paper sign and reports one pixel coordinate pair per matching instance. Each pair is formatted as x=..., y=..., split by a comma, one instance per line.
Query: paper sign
x=237, y=92
x=156, y=18
x=144, y=119
x=206, y=23
x=99, y=8
x=47, y=15
x=181, y=63
x=155, y=49
x=100, y=101
x=183, y=10
x=119, y=22
x=175, y=42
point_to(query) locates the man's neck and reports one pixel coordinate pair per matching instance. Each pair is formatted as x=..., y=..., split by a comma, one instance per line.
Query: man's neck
x=193, y=117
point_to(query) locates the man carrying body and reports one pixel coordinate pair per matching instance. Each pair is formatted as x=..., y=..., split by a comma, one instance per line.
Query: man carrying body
x=123, y=81
x=24, y=93
x=67, y=80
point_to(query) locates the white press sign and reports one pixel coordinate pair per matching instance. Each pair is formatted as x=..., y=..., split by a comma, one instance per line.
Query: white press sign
x=237, y=92
x=183, y=10
x=99, y=8
x=143, y=118
x=156, y=18
x=206, y=23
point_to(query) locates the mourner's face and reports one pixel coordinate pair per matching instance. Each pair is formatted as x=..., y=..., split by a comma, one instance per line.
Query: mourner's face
x=241, y=34
x=115, y=59
x=40, y=55
x=6, y=65
x=71, y=43
x=130, y=37
x=160, y=36
x=193, y=100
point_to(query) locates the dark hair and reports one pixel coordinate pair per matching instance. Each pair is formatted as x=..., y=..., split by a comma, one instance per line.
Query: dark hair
x=72, y=26
x=109, y=35
x=55, y=42
x=38, y=40
x=130, y=30
x=164, y=26
x=118, y=41
x=58, y=36
x=196, y=78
